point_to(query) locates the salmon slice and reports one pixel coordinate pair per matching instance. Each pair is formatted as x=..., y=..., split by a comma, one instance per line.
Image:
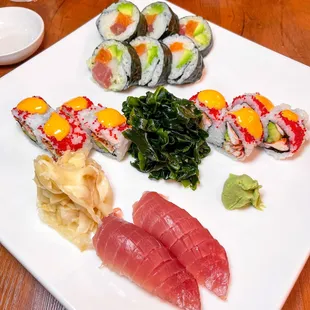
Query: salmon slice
x=187, y=239
x=132, y=252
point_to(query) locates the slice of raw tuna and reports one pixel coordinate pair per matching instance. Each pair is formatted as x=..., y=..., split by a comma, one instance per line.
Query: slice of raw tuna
x=132, y=252
x=102, y=74
x=186, y=238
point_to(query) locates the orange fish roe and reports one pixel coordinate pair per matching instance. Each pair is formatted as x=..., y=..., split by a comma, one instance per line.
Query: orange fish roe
x=104, y=56
x=140, y=49
x=150, y=19
x=190, y=28
x=124, y=20
x=176, y=46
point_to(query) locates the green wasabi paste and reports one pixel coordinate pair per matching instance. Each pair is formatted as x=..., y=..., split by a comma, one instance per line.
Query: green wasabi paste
x=241, y=191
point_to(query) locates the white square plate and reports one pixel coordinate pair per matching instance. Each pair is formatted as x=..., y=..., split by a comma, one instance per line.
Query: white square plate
x=266, y=250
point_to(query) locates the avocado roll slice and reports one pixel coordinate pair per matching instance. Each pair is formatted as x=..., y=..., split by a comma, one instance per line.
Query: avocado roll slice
x=161, y=20
x=285, y=131
x=155, y=58
x=115, y=65
x=197, y=29
x=121, y=21
x=187, y=62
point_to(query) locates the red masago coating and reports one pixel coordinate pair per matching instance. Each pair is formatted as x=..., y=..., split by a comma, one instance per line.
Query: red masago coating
x=130, y=251
x=186, y=238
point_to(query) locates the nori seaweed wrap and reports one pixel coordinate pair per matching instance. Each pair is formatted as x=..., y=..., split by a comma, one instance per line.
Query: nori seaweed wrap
x=187, y=61
x=121, y=21
x=155, y=58
x=115, y=65
x=161, y=20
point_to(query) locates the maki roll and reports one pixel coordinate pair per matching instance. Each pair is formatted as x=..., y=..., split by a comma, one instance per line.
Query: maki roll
x=115, y=65
x=106, y=126
x=198, y=29
x=78, y=108
x=161, y=20
x=284, y=131
x=60, y=133
x=256, y=101
x=155, y=58
x=121, y=21
x=243, y=131
x=213, y=106
x=187, y=62
x=31, y=113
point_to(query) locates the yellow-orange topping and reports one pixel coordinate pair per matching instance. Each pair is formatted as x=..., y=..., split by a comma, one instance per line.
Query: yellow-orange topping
x=265, y=101
x=290, y=115
x=212, y=99
x=33, y=105
x=57, y=127
x=247, y=118
x=77, y=104
x=110, y=118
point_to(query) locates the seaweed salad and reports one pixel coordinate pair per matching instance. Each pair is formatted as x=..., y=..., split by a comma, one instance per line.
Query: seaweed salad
x=167, y=141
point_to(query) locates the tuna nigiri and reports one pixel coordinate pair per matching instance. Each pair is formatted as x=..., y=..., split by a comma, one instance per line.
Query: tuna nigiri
x=132, y=252
x=186, y=238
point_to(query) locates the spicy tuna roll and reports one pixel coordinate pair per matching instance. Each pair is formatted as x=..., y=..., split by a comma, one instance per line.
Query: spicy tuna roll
x=106, y=126
x=155, y=58
x=31, y=113
x=121, y=21
x=115, y=65
x=198, y=29
x=284, y=131
x=161, y=20
x=187, y=62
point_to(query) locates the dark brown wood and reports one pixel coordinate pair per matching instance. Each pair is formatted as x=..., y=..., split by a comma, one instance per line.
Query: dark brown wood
x=281, y=25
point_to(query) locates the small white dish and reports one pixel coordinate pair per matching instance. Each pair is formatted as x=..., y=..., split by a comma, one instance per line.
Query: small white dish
x=21, y=34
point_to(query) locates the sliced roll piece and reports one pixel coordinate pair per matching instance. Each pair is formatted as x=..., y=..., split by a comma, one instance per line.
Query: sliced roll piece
x=106, y=126
x=284, y=131
x=115, y=65
x=256, y=101
x=161, y=20
x=155, y=58
x=121, y=21
x=213, y=106
x=187, y=62
x=197, y=29
x=31, y=113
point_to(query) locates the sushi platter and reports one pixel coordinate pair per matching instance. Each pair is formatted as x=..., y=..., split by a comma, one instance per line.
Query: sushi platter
x=130, y=166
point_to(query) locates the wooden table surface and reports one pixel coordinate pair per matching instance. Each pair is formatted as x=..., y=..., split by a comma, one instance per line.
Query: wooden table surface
x=281, y=25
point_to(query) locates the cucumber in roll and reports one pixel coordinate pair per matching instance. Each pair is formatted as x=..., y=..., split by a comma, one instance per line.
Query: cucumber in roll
x=161, y=20
x=155, y=58
x=115, y=65
x=121, y=21
x=197, y=29
x=187, y=62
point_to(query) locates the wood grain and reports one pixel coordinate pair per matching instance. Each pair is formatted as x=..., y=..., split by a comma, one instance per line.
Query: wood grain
x=281, y=25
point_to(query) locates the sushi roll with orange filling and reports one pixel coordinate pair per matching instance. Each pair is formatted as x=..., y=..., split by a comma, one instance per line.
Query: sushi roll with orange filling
x=197, y=29
x=161, y=20
x=187, y=62
x=213, y=106
x=121, y=21
x=115, y=65
x=60, y=133
x=31, y=113
x=106, y=126
x=284, y=131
